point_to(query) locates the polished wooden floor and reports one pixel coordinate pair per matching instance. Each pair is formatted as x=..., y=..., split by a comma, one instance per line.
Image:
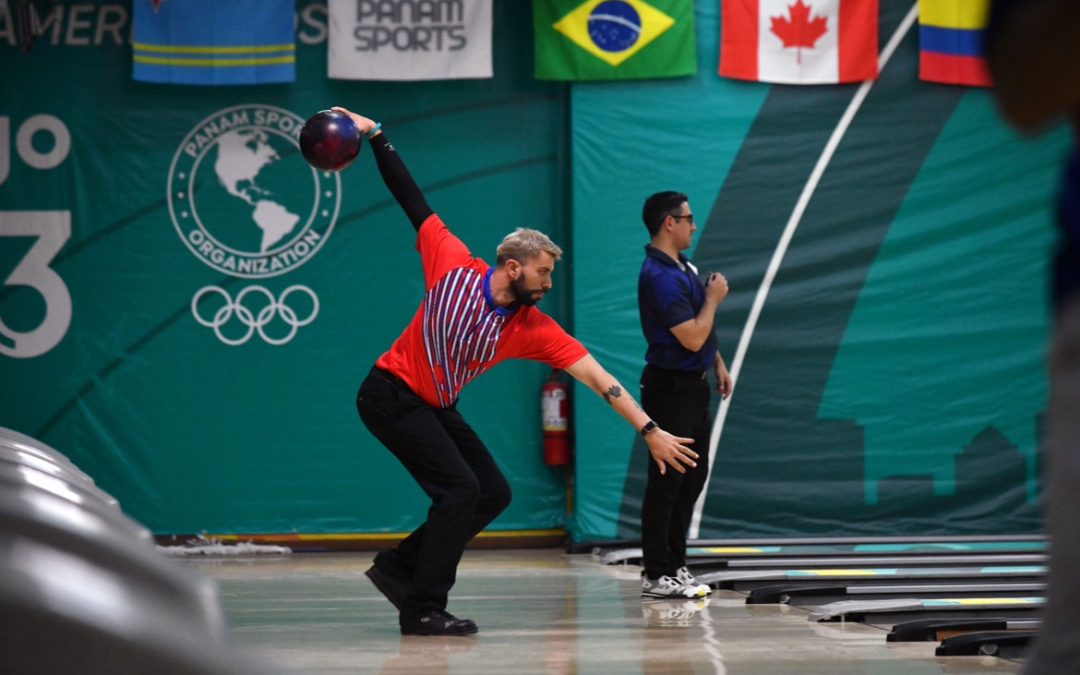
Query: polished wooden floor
x=541, y=611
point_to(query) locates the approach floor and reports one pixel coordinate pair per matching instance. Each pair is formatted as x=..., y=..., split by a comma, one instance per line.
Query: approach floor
x=543, y=611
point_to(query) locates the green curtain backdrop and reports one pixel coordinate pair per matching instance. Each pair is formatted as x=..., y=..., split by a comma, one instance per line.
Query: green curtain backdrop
x=894, y=381
x=191, y=434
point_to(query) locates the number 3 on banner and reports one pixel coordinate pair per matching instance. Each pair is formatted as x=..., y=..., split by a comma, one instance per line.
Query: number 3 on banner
x=52, y=229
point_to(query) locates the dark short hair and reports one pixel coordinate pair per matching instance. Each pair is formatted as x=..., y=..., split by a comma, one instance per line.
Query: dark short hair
x=660, y=206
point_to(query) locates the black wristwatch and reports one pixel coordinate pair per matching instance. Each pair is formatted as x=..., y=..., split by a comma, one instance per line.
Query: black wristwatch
x=648, y=428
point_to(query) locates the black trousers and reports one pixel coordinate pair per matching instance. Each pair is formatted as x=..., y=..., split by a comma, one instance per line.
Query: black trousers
x=679, y=403
x=450, y=463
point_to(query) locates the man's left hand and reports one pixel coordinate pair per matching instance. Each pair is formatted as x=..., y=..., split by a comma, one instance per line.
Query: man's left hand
x=723, y=379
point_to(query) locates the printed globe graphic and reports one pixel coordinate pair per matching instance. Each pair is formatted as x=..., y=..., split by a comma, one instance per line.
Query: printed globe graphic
x=240, y=200
x=242, y=181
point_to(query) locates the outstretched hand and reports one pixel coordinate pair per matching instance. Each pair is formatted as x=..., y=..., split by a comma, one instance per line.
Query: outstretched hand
x=669, y=450
x=365, y=124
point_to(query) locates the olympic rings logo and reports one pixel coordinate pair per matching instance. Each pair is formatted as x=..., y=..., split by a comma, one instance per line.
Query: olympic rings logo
x=256, y=318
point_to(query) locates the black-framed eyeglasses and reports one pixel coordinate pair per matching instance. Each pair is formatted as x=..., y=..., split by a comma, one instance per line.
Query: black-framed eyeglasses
x=677, y=216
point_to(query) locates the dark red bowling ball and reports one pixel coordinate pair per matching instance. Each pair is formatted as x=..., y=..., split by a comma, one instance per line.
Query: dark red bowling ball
x=330, y=140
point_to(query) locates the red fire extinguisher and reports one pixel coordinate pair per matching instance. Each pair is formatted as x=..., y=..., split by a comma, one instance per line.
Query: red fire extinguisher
x=555, y=407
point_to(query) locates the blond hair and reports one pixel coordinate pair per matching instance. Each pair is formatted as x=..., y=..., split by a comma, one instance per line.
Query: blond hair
x=525, y=244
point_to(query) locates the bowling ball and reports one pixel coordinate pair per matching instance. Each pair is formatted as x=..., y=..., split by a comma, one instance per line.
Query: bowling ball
x=330, y=140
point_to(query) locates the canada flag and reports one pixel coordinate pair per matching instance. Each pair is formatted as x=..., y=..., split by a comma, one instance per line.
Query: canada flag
x=799, y=41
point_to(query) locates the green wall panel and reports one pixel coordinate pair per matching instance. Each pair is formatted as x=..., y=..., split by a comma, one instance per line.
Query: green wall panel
x=191, y=434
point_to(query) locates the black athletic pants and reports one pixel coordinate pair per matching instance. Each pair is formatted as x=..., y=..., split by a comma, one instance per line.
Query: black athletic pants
x=452, y=466
x=679, y=403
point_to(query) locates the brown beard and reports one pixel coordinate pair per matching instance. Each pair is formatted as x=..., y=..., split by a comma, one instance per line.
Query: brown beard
x=522, y=295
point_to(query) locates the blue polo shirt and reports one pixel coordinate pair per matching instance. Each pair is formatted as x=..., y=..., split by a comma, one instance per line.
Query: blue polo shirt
x=667, y=296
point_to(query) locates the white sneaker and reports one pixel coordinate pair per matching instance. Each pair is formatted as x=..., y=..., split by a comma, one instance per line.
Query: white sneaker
x=666, y=587
x=688, y=579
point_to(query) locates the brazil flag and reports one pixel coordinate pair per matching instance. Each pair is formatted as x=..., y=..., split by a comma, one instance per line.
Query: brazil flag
x=614, y=39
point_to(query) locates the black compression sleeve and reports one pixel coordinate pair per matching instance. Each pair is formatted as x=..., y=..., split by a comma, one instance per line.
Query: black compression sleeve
x=400, y=181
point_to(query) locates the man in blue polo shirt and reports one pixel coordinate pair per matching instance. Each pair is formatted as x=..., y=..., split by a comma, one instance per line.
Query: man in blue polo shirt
x=677, y=312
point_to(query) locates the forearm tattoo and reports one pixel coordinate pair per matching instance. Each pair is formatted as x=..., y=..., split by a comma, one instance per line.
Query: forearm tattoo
x=613, y=392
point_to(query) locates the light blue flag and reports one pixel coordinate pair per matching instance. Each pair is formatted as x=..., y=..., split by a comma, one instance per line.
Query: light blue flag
x=214, y=42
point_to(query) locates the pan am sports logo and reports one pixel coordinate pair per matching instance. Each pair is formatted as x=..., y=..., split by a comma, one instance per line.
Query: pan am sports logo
x=238, y=206
x=241, y=207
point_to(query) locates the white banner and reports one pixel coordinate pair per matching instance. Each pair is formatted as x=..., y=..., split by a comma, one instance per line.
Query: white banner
x=409, y=40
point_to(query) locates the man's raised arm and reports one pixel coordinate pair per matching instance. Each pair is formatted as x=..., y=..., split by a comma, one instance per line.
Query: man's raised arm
x=393, y=171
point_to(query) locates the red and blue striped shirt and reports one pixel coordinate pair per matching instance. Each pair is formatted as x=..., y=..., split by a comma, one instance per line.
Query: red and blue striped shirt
x=459, y=332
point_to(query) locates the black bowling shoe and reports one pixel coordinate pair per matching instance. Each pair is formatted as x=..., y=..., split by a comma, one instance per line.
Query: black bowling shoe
x=437, y=622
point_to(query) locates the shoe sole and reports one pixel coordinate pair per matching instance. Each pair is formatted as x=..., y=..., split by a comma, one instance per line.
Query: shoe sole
x=442, y=633
x=381, y=587
x=663, y=596
x=472, y=630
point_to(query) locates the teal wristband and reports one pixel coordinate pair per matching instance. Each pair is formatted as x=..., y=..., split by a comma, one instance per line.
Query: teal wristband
x=374, y=129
